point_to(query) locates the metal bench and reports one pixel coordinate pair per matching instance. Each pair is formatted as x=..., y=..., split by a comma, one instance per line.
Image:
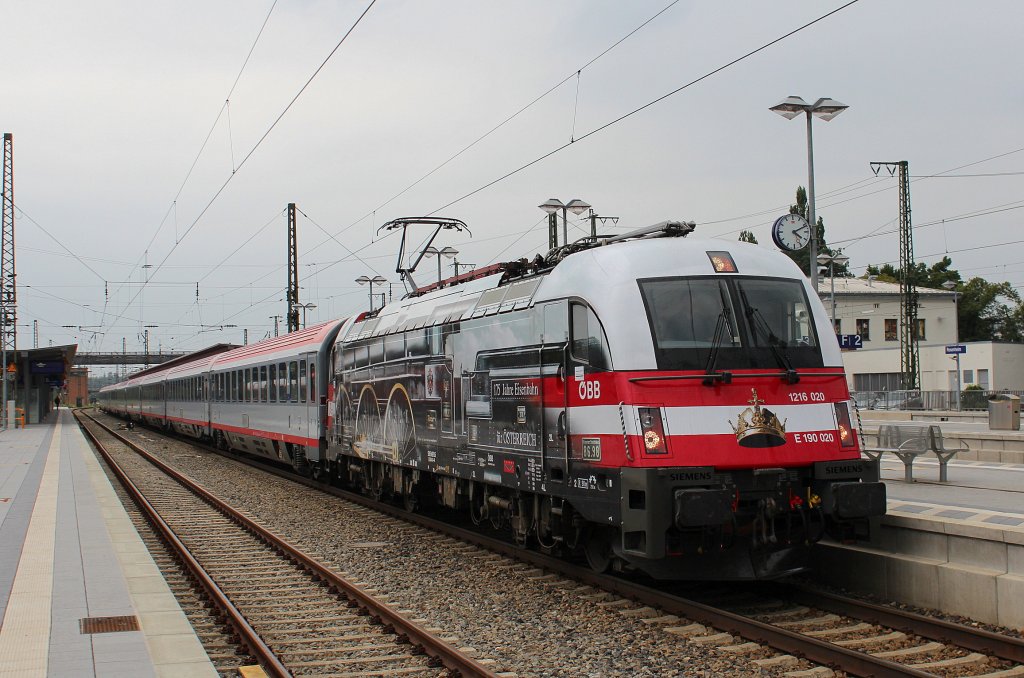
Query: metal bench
x=944, y=453
x=908, y=442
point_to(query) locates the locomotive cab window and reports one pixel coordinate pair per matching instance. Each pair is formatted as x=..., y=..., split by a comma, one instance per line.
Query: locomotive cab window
x=589, y=344
x=734, y=323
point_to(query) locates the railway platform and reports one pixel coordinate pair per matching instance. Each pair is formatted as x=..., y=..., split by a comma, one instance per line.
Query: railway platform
x=80, y=594
x=955, y=546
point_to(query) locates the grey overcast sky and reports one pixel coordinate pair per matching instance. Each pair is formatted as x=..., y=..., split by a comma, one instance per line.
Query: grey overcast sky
x=110, y=102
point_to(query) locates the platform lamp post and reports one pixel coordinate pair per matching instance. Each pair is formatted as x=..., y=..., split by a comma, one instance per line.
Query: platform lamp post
x=951, y=286
x=832, y=260
x=826, y=109
x=449, y=252
x=375, y=280
x=304, y=308
x=576, y=206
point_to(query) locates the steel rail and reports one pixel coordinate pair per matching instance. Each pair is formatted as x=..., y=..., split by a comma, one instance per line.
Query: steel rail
x=791, y=642
x=249, y=638
x=979, y=640
x=818, y=651
x=821, y=652
x=406, y=629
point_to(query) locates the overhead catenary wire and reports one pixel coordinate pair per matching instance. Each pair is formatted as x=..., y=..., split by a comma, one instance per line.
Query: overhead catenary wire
x=372, y=213
x=644, y=107
x=258, y=143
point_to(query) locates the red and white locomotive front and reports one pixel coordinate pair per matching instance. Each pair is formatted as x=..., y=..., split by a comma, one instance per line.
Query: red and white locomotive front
x=705, y=378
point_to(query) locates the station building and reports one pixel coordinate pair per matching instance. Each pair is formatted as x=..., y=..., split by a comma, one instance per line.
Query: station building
x=871, y=309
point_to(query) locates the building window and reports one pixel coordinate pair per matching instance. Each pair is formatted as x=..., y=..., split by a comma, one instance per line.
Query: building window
x=837, y=325
x=864, y=329
x=968, y=377
x=920, y=334
x=886, y=381
x=983, y=379
x=890, y=329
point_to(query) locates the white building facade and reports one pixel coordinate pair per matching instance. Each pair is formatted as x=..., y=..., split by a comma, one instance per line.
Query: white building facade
x=871, y=309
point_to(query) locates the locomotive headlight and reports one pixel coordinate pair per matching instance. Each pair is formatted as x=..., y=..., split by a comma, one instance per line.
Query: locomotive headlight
x=652, y=429
x=652, y=440
x=844, y=424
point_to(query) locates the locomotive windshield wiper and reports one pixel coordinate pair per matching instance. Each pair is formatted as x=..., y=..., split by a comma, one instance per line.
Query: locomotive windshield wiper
x=710, y=376
x=723, y=325
x=758, y=324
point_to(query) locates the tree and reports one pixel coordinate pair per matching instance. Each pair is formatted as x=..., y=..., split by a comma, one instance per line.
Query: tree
x=747, y=236
x=803, y=257
x=989, y=311
x=921, y=275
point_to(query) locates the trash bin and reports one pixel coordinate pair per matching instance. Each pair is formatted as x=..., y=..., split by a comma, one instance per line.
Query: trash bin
x=1004, y=412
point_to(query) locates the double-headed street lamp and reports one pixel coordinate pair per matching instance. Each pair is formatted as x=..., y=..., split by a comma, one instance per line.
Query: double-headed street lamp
x=832, y=260
x=449, y=252
x=375, y=280
x=304, y=308
x=576, y=206
x=826, y=109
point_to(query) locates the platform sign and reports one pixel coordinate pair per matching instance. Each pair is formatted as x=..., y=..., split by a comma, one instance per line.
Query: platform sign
x=956, y=349
x=850, y=341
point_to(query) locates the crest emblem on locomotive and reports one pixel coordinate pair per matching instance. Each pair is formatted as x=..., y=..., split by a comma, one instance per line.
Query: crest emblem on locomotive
x=758, y=426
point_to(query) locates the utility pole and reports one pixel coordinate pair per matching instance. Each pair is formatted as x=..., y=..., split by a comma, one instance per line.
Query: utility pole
x=245, y=336
x=552, y=231
x=594, y=216
x=276, y=318
x=8, y=285
x=909, y=338
x=293, y=274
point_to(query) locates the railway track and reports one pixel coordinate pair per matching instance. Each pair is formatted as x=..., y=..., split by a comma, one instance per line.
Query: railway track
x=778, y=628
x=291, y=614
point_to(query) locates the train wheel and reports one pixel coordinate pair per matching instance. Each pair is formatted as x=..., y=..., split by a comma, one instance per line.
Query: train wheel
x=399, y=426
x=598, y=549
x=410, y=499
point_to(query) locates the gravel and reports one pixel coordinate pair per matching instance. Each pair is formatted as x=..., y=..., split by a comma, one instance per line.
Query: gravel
x=528, y=624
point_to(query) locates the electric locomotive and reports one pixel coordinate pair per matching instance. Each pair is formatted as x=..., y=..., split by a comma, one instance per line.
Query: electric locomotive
x=656, y=402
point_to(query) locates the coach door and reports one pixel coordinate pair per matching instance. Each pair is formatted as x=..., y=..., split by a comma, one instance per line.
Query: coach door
x=309, y=396
x=554, y=358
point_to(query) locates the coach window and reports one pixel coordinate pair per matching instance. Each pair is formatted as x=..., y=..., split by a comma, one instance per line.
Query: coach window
x=239, y=381
x=272, y=385
x=282, y=382
x=264, y=390
x=293, y=381
x=394, y=346
x=589, y=344
x=302, y=380
x=416, y=342
x=376, y=351
x=312, y=383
